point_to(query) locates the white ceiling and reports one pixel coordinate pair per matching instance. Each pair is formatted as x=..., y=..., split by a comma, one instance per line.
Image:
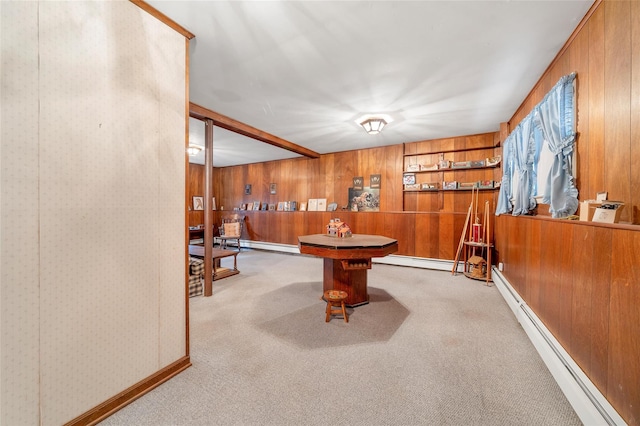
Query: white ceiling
x=305, y=70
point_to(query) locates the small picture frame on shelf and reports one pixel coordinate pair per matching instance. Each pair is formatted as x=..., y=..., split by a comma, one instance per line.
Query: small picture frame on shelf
x=467, y=185
x=450, y=185
x=303, y=206
x=198, y=203
x=461, y=165
x=428, y=186
x=444, y=164
x=272, y=207
x=409, y=179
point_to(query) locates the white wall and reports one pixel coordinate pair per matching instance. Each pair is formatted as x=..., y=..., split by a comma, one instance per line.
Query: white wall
x=92, y=196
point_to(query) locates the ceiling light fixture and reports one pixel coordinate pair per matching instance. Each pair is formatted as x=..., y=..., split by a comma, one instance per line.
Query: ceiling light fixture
x=193, y=150
x=373, y=125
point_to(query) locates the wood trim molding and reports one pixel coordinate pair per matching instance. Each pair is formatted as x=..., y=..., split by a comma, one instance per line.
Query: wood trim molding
x=202, y=113
x=110, y=406
x=187, y=200
x=163, y=18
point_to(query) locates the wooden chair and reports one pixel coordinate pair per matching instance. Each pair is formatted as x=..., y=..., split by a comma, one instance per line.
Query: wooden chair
x=231, y=229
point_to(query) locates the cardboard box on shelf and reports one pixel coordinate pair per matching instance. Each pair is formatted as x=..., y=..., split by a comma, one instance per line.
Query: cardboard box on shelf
x=608, y=212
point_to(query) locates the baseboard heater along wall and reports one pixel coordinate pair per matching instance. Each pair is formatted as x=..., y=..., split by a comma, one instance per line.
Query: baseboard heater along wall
x=587, y=401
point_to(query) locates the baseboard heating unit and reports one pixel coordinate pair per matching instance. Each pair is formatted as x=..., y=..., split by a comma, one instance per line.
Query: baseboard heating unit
x=587, y=401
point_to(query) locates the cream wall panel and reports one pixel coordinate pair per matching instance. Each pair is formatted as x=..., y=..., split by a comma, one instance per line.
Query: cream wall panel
x=19, y=250
x=166, y=56
x=107, y=306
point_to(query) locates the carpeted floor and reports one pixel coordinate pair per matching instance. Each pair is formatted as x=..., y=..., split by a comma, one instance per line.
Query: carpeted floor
x=430, y=349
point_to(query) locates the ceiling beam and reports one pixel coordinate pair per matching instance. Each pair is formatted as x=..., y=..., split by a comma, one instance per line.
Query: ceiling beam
x=202, y=113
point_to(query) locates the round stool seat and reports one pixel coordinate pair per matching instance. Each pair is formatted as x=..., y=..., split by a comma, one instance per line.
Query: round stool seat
x=336, y=298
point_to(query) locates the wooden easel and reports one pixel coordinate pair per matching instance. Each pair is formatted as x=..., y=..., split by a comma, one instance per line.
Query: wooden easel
x=472, y=241
x=473, y=208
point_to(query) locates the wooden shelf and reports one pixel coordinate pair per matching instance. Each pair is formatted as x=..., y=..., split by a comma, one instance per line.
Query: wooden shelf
x=445, y=151
x=453, y=169
x=448, y=190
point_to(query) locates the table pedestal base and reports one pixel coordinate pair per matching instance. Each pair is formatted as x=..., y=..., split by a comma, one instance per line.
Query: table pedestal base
x=348, y=275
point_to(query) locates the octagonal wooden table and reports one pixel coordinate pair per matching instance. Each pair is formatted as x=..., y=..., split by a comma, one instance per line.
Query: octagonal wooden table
x=346, y=261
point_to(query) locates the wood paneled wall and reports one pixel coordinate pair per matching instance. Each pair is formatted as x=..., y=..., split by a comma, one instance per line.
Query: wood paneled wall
x=605, y=54
x=299, y=179
x=581, y=278
x=582, y=281
x=195, y=178
x=424, y=229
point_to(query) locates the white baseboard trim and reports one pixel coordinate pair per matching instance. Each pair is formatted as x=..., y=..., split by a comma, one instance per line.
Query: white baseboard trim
x=415, y=262
x=286, y=248
x=587, y=401
x=418, y=262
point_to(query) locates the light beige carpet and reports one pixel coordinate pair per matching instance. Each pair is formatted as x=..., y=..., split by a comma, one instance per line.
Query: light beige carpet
x=430, y=349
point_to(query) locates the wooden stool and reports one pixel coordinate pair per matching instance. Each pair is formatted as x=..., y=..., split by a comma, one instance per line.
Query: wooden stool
x=336, y=298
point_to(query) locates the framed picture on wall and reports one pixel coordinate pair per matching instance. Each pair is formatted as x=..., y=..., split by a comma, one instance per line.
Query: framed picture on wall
x=272, y=188
x=358, y=182
x=198, y=203
x=213, y=203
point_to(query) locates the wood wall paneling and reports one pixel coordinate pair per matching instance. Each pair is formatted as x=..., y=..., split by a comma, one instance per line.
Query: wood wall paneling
x=624, y=326
x=617, y=74
x=581, y=316
x=196, y=189
x=401, y=226
x=601, y=273
x=585, y=295
x=579, y=56
x=635, y=112
x=427, y=235
x=593, y=152
x=447, y=236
